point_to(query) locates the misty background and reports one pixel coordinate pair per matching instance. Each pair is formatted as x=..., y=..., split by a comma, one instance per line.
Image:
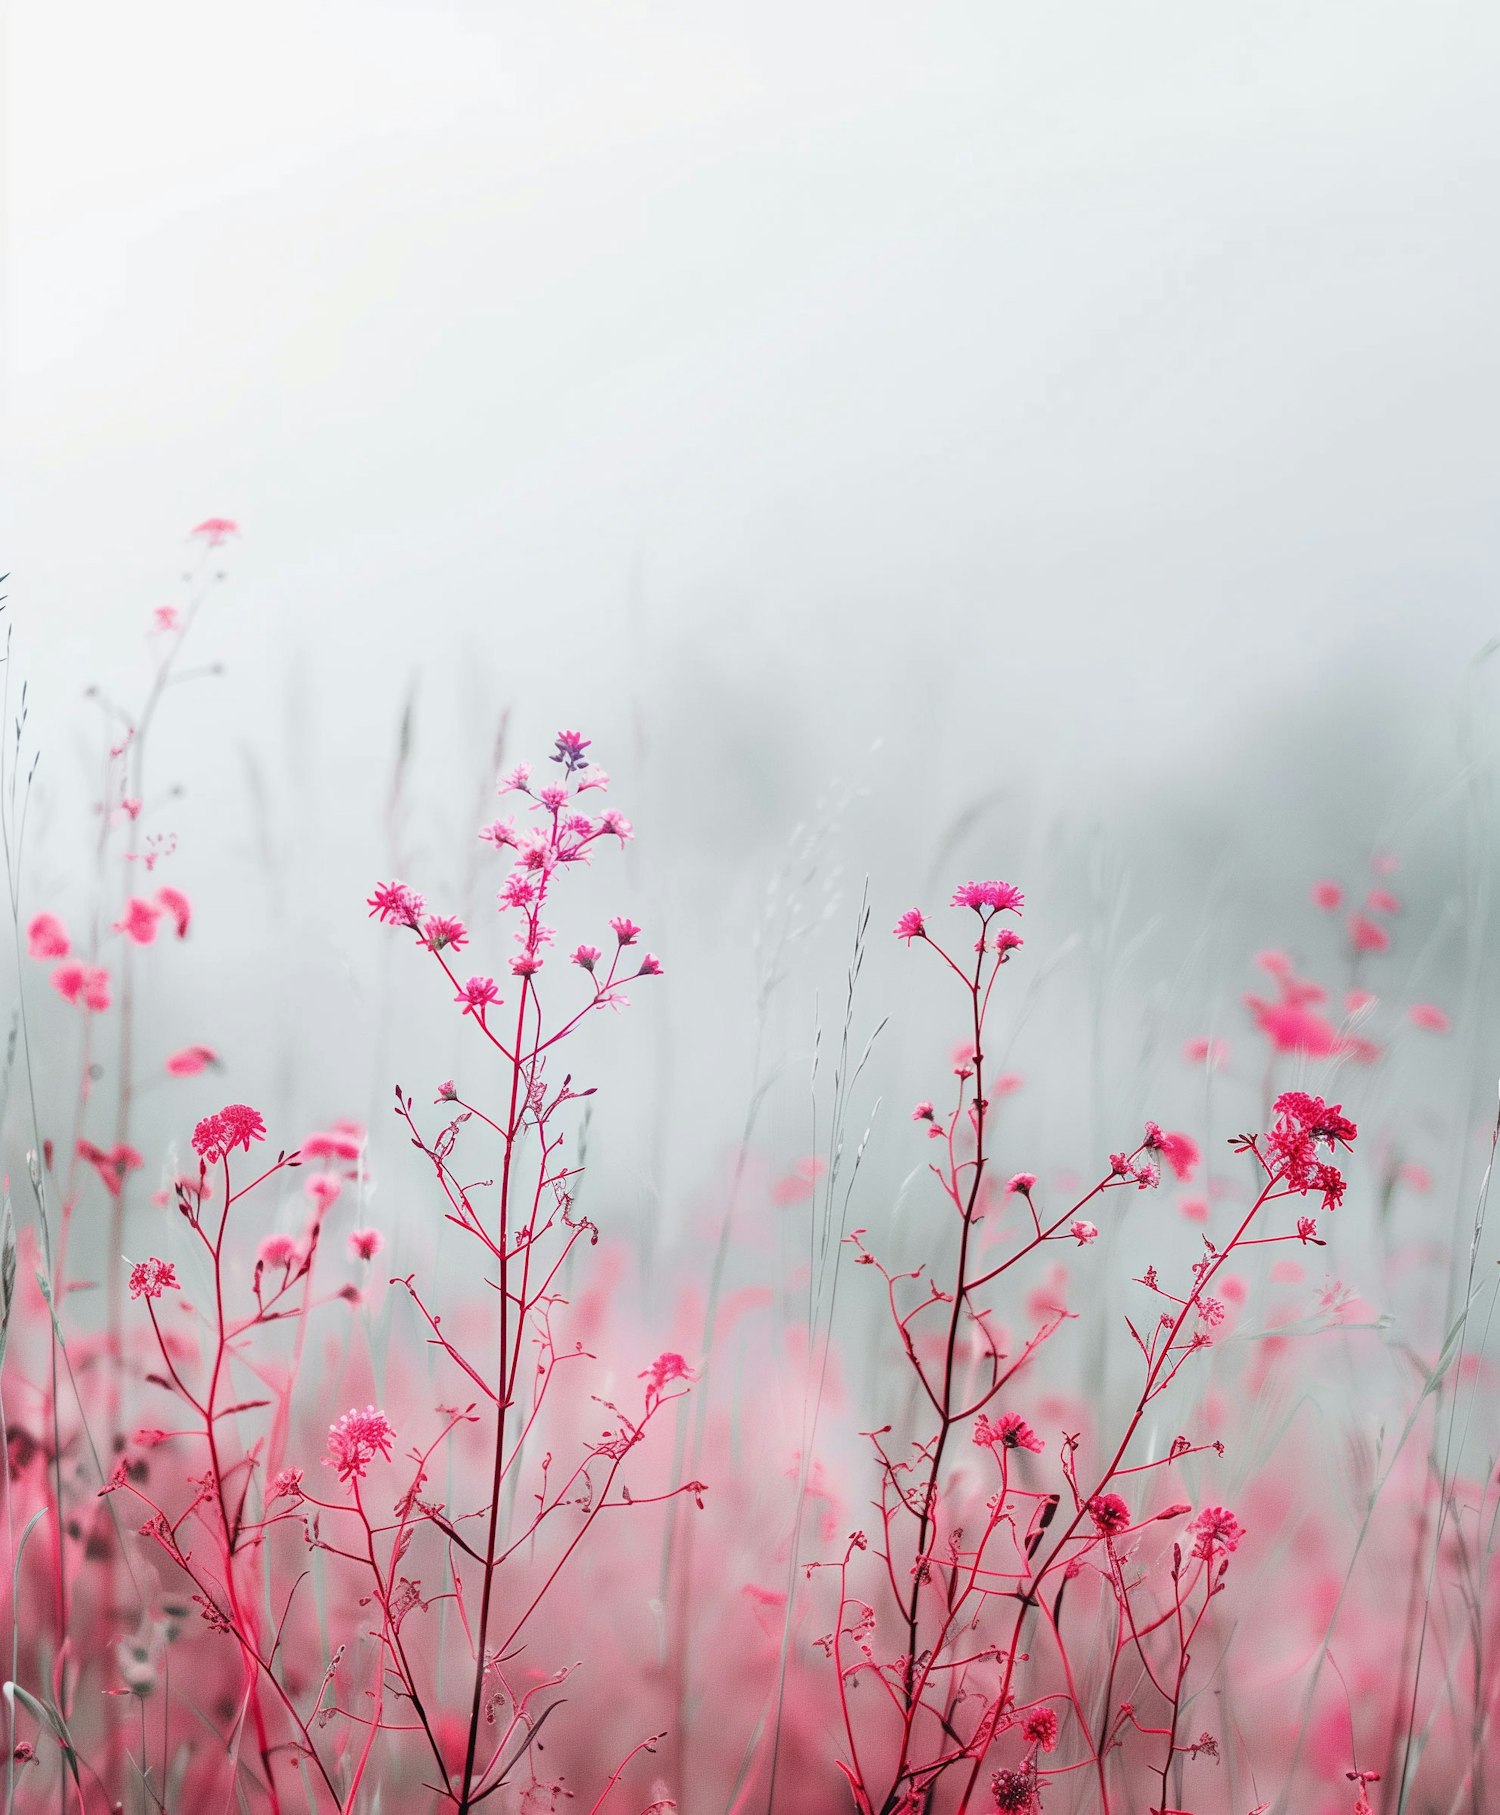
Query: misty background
x=912, y=442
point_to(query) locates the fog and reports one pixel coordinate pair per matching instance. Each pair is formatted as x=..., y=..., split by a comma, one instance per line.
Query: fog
x=1053, y=443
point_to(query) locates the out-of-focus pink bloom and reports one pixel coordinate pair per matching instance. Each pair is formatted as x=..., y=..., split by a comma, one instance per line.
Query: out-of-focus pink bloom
x=625, y=929
x=1287, y=1273
x=798, y=1185
x=164, y=617
x=277, y=1251
x=1180, y=1151
x=1427, y=1015
x=1382, y=901
x=365, y=1244
x=1418, y=1177
x=910, y=926
x=1366, y=936
x=236, y=1125
x=1292, y=1028
x=138, y=921
x=215, y=530
x=1328, y=896
x=1194, y=1209
x=1204, y=1051
x=175, y=903
x=477, y=995
x=150, y=1278
x=47, y=937
x=1008, y=1083
x=191, y=1060
x=325, y=1190
x=440, y=930
x=343, y=1141
x=86, y=982
x=356, y=1440
x=1277, y=963
x=1357, y=1000
x=111, y=1163
x=1082, y=1232
x=1385, y=864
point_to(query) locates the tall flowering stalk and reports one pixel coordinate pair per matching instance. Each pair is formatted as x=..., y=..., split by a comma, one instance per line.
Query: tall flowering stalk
x=961, y=1631
x=525, y=1229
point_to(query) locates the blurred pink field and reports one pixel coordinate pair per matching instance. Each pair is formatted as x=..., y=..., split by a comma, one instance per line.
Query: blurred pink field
x=992, y=1480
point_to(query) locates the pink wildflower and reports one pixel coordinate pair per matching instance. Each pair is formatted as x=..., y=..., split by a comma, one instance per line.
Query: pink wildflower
x=215, y=530
x=910, y=926
x=1110, y=1513
x=570, y=748
x=356, y=1440
x=616, y=824
x=1039, y=1728
x=394, y=904
x=1366, y=936
x=277, y=1251
x=1425, y=1014
x=1010, y=1431
x=324, y=1190
x=344, y=1141
x=586, y=957
x=1328, y=896
x=286, y=1484
x=236, y=1125
x=923, y=1112
x=150, y=1278
x=1218, y=1533
x=527, y=963
x=365, y=1244
x=1180, y=1151
x=440, y=930
x=667, y=1367
x=996, y=896
x=47, y=937
x=517, y=781
x=625, y=929
x=191, y=1060
x=89, y=982
x=650, y=966
x=112, y=1163
x=1022, y=1183
x=1082, y=1232
x=477, y=995
x=1007, y=942
x=165, y=617
x=174, y=902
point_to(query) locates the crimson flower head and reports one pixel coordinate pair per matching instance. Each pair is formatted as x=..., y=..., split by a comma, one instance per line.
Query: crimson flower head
x=1110, y=1513
x=1039, y=1728
x=138, y=922
x=236, y=1125
x=356, y=1440
x=1009, y=1431
x=174, y=902
x=910, y=926
x=994, y=896
x=150, y=1278
x=365, y=1244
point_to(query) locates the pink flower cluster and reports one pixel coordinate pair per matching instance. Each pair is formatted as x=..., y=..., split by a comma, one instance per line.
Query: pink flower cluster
x=217, y=1136
x=356, y=1440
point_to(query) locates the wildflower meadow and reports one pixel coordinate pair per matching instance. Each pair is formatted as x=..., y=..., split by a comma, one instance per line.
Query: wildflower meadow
x=951, y=1446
